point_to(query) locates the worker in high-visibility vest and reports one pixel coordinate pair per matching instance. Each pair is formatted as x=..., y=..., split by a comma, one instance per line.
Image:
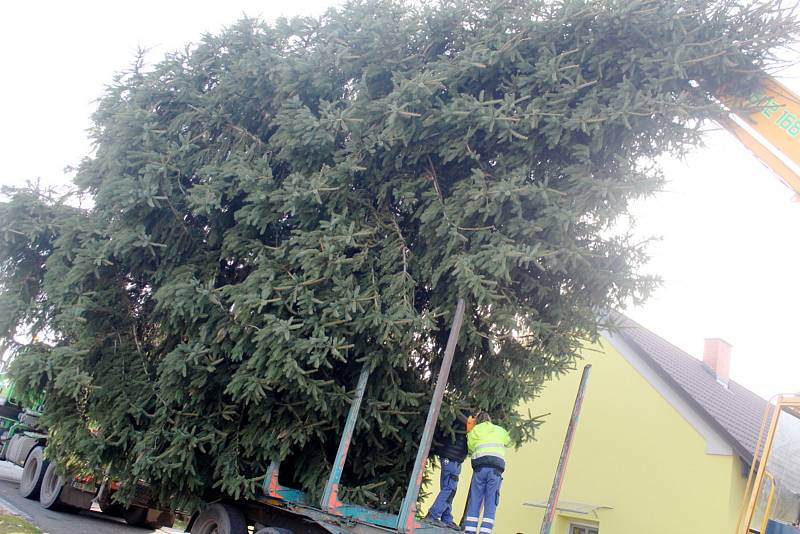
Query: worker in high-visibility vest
x=486, y=444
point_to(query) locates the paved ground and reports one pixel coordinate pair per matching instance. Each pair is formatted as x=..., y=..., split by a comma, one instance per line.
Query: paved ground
x=87, y=522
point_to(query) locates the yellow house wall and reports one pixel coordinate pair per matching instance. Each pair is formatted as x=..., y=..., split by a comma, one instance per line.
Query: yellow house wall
x=633, y=452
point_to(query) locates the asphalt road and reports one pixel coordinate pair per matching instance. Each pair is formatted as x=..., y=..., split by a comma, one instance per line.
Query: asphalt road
x=86, y=522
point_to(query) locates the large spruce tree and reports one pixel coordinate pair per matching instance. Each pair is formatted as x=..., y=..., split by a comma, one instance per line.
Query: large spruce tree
x=282, y=205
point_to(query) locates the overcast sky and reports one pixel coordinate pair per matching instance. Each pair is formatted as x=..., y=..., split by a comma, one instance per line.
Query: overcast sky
x=730, y=248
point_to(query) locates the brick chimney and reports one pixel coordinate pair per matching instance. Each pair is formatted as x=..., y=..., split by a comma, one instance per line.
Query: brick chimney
x=717, y=355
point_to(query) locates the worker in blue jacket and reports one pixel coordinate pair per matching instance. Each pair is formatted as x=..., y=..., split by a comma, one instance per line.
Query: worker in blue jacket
x=486, y=444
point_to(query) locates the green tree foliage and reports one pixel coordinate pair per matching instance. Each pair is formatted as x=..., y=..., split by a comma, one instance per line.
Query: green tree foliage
x=282, y=205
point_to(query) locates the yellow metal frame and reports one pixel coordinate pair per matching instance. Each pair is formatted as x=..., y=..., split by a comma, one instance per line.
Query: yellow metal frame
x=758, y=467
x=768, y=507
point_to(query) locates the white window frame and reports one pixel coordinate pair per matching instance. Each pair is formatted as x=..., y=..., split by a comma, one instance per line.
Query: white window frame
x=595, y=527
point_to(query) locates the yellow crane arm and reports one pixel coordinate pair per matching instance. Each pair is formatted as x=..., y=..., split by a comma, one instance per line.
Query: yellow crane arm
x=773, y=112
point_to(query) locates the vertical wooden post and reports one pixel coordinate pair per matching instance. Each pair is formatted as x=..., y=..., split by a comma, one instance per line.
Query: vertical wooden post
x=555, y=491
x=330, y=497
x=409, y=508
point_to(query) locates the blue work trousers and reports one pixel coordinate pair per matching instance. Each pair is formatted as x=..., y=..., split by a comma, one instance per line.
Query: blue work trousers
x=442, y=508
x=483, y=492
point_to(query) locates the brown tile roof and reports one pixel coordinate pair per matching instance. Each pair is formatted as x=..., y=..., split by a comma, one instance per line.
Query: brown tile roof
x=735, y=411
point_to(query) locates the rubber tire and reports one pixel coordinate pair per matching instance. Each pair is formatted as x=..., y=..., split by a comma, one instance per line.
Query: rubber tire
x=33, y=473
x=50, y=491
x=220, y=518
x=135, y=516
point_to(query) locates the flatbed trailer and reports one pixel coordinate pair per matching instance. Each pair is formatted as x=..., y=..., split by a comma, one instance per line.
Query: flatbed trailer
x=283, y=510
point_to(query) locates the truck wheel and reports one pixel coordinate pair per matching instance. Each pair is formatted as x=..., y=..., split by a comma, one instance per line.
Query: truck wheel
x=50, y=491
x=32, y=473
x=220, y=518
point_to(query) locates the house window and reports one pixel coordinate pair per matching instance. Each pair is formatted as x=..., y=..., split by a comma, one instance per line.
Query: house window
x=582, y=529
